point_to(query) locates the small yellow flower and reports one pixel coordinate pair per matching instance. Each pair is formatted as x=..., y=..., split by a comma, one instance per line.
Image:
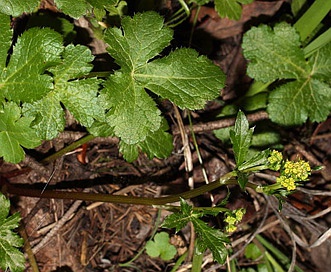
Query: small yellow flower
x=239, y=214
x=231, y=228
x=230, y=219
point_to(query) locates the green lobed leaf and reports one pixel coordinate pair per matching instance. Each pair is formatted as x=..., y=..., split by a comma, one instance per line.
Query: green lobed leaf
x=160, y=246
x=134, y=116
x=274, y=53
x=78, y=96
x=5, y=37
x=24, y=79
x=10, y=257
x=230, y=8
x=17, y=7
x=241, y=137
x=211, y=238
x=15, y=133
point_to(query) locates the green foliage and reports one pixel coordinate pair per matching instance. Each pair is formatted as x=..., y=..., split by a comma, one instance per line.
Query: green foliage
x=183, y=77
x=10, y=257
x=241, y=138
x=42, y=76
x=78, y=96
x=306, y=92
x=17, y=7
x=160, y=247
x=15, y=132
x=208, y=237
x=230, y=8
x=23, y=79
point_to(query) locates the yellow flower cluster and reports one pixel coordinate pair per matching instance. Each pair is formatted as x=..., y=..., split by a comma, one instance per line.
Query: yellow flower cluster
x=290, y=171
x=275, y=160
x=232, y=218
x=299, y=170
x=293, y=171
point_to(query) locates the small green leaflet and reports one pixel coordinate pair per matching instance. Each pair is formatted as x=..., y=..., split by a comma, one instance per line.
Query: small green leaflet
x=182, y=77
x=209, y=237
x=160, y=246
x=17, y=7
x=178, y=220
x=15, y=132
x=10, y=257
x=230, y=8
x=275, y=54
x=241, y=138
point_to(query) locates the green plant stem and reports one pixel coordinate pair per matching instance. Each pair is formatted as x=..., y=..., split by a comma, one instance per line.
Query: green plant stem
x=67, y=149
x=312, y=17
x=280, y=256
x=180, y=260
x=197, y=262
x=16, y=189
x=318, y=43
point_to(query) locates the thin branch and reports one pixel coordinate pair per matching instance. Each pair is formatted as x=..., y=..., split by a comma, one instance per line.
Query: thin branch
x=223, y=123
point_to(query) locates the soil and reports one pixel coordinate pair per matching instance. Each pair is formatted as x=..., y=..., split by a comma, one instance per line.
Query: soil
x=68, y=235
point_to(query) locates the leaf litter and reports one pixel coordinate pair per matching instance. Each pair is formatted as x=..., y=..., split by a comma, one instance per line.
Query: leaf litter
x=102, y=237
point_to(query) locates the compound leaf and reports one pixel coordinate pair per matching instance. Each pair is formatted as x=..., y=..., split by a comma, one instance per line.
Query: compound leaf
x=49, y=117
x=230, y=8
x=17, y=7
x=10, y=256
x=24, y=79
x=134, y=113
x=15, y=132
